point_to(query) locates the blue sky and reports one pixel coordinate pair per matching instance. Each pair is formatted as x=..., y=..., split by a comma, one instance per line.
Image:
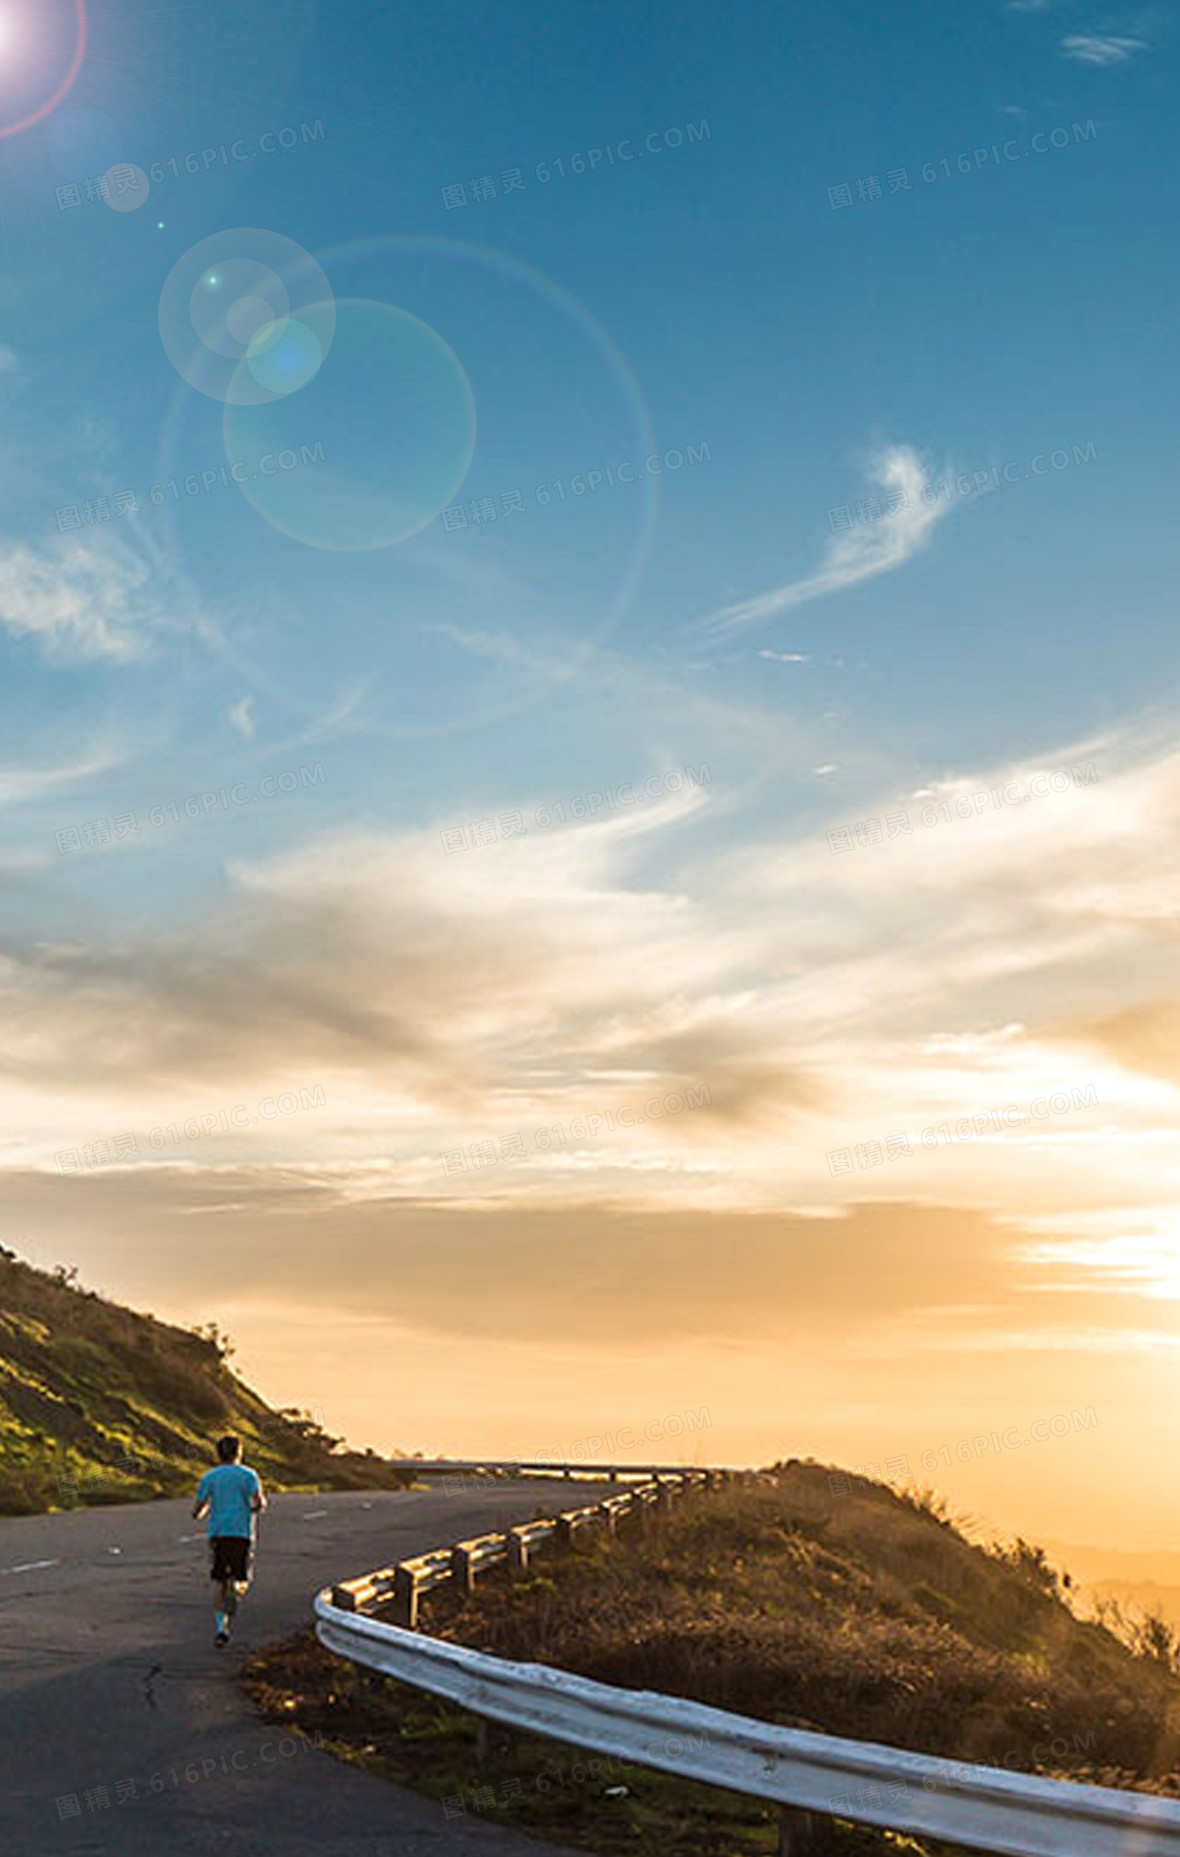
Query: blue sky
x=829, y=258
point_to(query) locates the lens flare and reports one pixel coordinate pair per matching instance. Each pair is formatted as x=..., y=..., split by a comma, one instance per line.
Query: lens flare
x=42, y=51
x=247, y=317
x=393, y=416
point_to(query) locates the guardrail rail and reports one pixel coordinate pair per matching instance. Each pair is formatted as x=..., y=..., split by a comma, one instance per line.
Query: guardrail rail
x=811, y=1777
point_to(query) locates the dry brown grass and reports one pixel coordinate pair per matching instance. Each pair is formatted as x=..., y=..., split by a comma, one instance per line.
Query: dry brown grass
x=864, y=1615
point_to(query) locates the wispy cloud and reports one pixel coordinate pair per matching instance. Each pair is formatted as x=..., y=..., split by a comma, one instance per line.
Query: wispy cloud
x=1094, y=48
x=85, y=599
x=21, y=784
x=856, y=554
x=242, y=717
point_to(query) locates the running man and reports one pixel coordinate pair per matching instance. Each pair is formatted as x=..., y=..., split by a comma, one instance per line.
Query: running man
x=231, y=1495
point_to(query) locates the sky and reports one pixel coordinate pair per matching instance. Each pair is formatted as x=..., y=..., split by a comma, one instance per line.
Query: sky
x=589, y=774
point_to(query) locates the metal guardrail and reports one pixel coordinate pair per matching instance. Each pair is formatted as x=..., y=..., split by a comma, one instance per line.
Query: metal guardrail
x=530, y=1467
x=980, y=1808
x=399, y=1588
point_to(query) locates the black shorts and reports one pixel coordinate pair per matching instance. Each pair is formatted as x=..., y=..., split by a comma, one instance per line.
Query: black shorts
x=230, y=1558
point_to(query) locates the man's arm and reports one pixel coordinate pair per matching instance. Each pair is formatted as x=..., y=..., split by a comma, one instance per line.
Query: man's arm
x=200, y=1502
x=258, y=1499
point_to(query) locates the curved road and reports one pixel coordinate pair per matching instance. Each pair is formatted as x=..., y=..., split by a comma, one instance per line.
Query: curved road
x=108, y=1675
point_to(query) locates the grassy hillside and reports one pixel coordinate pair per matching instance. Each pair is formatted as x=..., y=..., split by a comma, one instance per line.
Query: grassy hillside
x=866, y=1615
x=100, y=1404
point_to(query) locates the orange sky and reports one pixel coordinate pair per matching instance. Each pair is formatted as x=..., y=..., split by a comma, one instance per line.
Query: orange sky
x=926, y=1193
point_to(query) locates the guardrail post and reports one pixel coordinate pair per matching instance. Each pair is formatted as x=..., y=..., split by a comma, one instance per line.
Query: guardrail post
x=609, y=1516
x=405, y=1599
x=798, y=1833
x=463, y=1570
x=565, y=1532
x=518, y=1555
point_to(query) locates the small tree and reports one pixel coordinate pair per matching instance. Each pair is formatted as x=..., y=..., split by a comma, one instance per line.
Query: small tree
x=217, y=1339
x=1158, y=1642
x=1031, y=1564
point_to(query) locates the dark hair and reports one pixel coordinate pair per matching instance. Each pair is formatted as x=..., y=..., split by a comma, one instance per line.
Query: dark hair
x=229, y=1448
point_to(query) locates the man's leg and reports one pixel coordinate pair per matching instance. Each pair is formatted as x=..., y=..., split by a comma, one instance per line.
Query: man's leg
x=224, y=1586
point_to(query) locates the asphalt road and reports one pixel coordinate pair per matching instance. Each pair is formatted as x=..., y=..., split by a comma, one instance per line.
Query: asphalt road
x=109, y=1675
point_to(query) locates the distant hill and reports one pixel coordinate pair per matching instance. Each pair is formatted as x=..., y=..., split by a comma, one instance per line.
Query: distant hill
x=1139, y=1583
x=99, y=1404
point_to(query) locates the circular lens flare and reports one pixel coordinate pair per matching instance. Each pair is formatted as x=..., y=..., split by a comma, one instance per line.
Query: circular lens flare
x=374, y=449
x=246, y=316
x=284, y=356
x=43, y=109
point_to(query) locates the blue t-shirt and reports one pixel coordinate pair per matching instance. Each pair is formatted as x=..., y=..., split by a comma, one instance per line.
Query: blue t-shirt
x=229, y=1490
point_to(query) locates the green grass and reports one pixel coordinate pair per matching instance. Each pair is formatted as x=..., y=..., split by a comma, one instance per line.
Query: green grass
x=515, y=1779
x=99, y=1404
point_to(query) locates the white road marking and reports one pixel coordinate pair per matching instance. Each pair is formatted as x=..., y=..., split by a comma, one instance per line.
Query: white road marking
x=32, y=1566
x=188, y=1537
x=313, y=1515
